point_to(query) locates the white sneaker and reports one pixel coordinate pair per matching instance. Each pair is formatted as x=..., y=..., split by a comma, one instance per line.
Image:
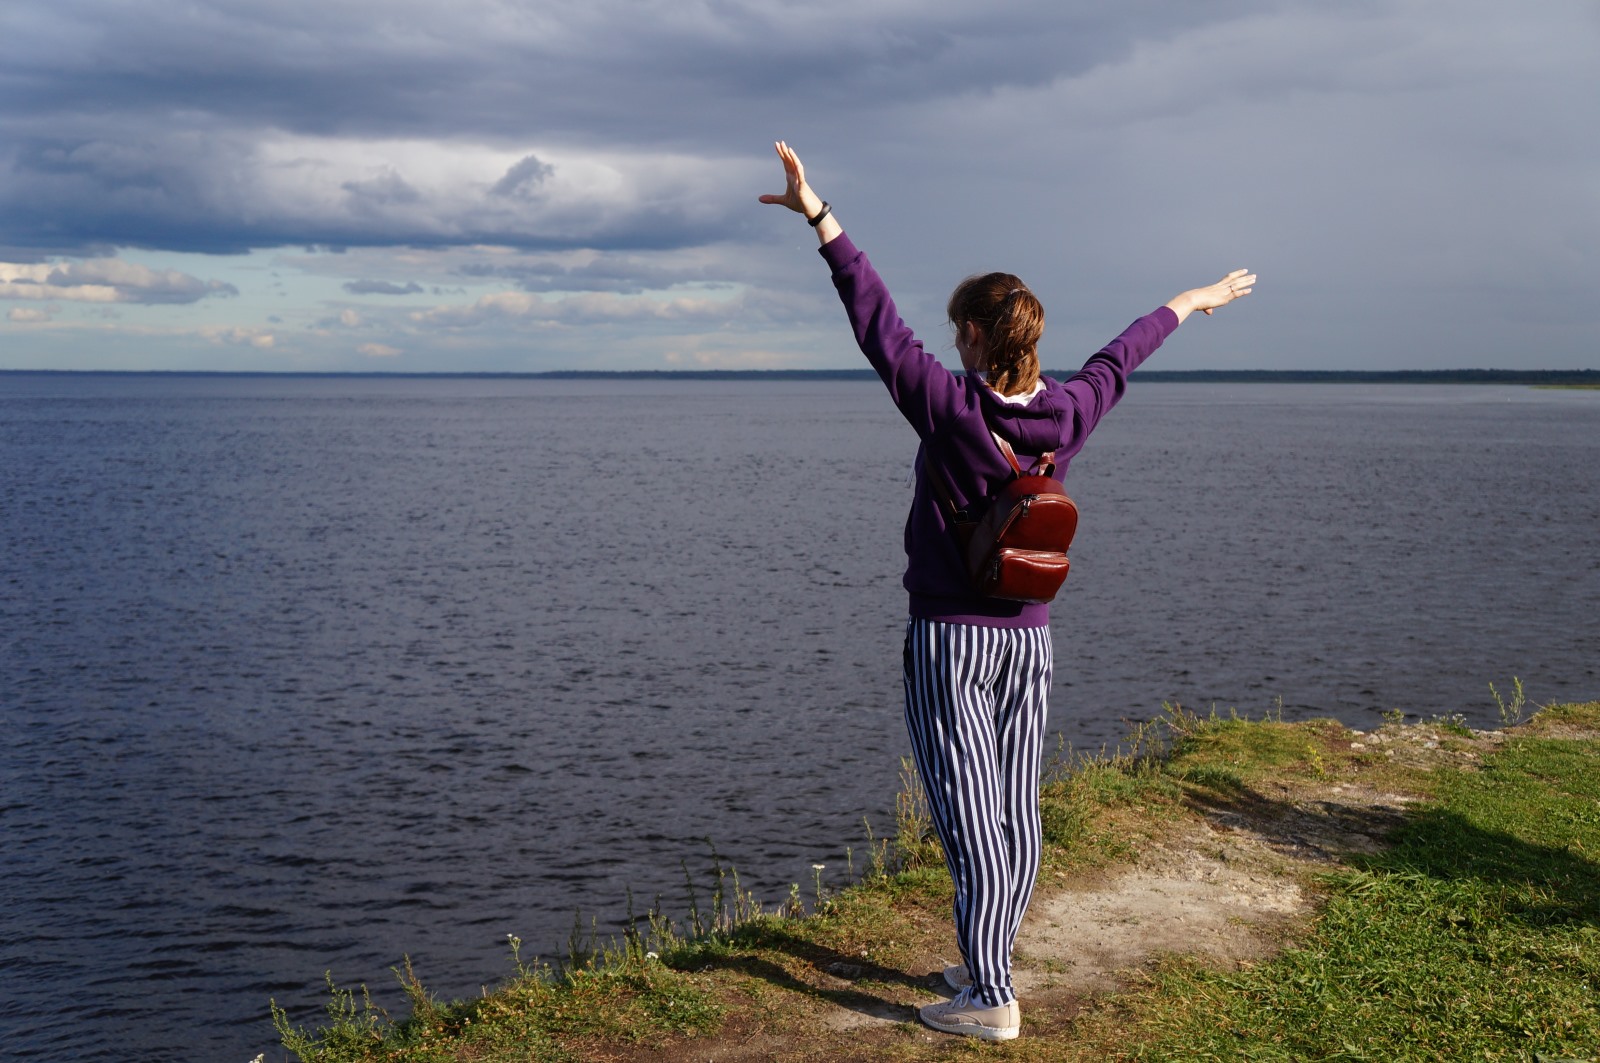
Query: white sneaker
x=957, y=976
x=963, y=1016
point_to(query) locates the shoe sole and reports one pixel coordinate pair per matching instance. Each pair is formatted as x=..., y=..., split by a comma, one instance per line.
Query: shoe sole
x=967, y=1029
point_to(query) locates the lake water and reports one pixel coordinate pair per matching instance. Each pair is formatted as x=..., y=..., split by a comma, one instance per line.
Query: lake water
x=306, y=674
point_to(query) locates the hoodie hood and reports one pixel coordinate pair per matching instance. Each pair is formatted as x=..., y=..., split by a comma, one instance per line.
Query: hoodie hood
x=1033, y=427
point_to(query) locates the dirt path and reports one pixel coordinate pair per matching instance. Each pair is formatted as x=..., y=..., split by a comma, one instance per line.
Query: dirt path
x=1229, y=884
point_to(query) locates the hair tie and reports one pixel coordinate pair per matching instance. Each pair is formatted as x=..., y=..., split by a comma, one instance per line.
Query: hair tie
x=1004, y=309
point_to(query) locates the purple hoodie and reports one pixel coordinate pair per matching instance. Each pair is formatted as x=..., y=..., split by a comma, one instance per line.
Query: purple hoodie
x=947, y=412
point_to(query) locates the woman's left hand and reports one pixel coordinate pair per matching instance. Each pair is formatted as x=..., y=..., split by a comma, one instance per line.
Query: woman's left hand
x=1235, y=285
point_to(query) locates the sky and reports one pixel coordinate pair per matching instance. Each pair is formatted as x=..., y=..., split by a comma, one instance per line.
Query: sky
x=523, y=185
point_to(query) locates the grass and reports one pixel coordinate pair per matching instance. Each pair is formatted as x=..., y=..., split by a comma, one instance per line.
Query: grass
x=536, y=1016
x=1473, y=934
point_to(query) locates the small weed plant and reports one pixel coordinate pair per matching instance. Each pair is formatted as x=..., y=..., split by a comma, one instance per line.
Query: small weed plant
x=351, y=1032
x=1514, y=711
x=914, y=842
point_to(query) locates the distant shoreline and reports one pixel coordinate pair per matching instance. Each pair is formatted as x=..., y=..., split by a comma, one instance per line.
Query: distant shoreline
x=1532, y=377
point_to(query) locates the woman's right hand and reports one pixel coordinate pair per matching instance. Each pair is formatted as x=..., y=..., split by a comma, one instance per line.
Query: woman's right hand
x=797, y=196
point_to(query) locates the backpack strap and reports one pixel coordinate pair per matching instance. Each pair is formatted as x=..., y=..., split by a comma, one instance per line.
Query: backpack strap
x=1005, y=448
x=1044, y=466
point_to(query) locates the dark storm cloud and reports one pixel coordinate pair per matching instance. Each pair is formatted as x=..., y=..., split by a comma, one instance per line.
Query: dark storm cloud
x=366, y=287
x=603, y=69
x=382, y=191
x=145, y=125
x=524, y=178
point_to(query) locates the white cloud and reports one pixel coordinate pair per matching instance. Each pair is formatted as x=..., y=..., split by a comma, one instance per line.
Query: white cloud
x=235, y=190
x=104, y=280
x=239, y=336
x=742, y=358
x=587, y=308
x=28, y=316
x=378, y=350
x=455, y=191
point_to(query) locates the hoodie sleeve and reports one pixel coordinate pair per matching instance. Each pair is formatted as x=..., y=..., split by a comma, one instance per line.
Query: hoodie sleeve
x=1101, y=383
x=926, y=393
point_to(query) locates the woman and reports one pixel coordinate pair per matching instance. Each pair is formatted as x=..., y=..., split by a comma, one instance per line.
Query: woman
x=977, y=669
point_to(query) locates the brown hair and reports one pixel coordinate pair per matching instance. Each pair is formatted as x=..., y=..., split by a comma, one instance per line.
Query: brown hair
x=1012, y=321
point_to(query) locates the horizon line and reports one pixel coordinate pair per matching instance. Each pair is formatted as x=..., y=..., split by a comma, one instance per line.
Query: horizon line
x=1484, y=376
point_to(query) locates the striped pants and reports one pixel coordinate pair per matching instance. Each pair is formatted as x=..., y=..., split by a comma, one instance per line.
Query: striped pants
x=975, y=707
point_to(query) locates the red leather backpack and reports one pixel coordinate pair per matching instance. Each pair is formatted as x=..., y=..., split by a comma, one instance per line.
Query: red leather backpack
x=1016, y=547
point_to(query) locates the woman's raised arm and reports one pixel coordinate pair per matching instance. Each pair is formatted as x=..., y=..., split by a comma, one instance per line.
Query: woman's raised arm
x=798, y=196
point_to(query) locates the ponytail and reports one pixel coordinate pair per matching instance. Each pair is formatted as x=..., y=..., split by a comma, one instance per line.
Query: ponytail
x=1012, y=320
